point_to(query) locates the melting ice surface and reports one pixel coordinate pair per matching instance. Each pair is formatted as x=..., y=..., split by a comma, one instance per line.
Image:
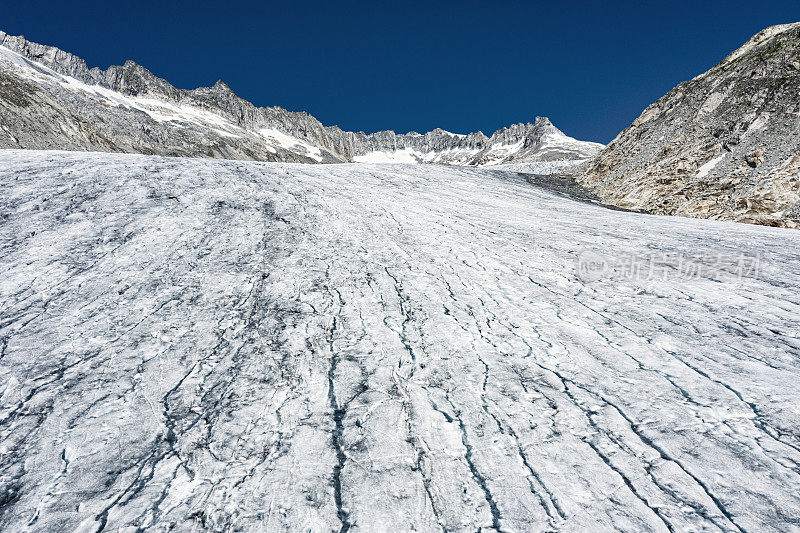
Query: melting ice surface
x=207, y=344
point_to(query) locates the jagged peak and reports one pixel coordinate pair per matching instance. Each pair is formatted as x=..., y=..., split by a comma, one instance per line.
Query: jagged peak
x=220, y=89
x=135, y=80
x=221, y=86
x=525, y=130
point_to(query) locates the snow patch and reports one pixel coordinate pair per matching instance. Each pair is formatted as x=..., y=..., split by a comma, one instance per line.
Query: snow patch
x=406, y=155
x=292, y=144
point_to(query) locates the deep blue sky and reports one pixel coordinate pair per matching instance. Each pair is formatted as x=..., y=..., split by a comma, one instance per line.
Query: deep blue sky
x=591, y=66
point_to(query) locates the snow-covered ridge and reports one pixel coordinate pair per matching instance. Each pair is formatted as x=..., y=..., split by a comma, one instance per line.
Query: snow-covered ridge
x=127, y=108
x=159, y=109
x=540, y=141
x=180, y=113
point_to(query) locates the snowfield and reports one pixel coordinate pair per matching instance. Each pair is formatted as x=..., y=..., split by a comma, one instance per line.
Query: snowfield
x=221, y=345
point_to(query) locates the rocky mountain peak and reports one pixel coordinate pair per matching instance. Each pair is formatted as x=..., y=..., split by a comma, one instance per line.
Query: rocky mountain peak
x=215, y=122
x=133, y=79
x=222, y=87
x=765, y=35
x=722, y=145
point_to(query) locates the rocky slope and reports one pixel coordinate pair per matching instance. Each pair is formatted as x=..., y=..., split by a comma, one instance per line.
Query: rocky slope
x=724, y=145
x=51, y=99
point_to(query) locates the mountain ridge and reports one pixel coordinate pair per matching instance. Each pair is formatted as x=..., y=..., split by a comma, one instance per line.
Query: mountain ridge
x=723, y=145
x=539, y=140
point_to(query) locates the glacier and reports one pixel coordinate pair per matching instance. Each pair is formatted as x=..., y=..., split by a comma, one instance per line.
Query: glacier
x=224, y=345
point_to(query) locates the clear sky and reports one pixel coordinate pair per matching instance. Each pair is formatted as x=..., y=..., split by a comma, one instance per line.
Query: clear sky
x=591, y=66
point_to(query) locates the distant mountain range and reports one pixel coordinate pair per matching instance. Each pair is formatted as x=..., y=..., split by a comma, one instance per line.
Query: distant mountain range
x=724, y=145
x=51, y=99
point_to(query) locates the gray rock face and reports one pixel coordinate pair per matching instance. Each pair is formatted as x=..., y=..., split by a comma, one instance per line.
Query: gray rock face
x=51, y=99
x=724, y=145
